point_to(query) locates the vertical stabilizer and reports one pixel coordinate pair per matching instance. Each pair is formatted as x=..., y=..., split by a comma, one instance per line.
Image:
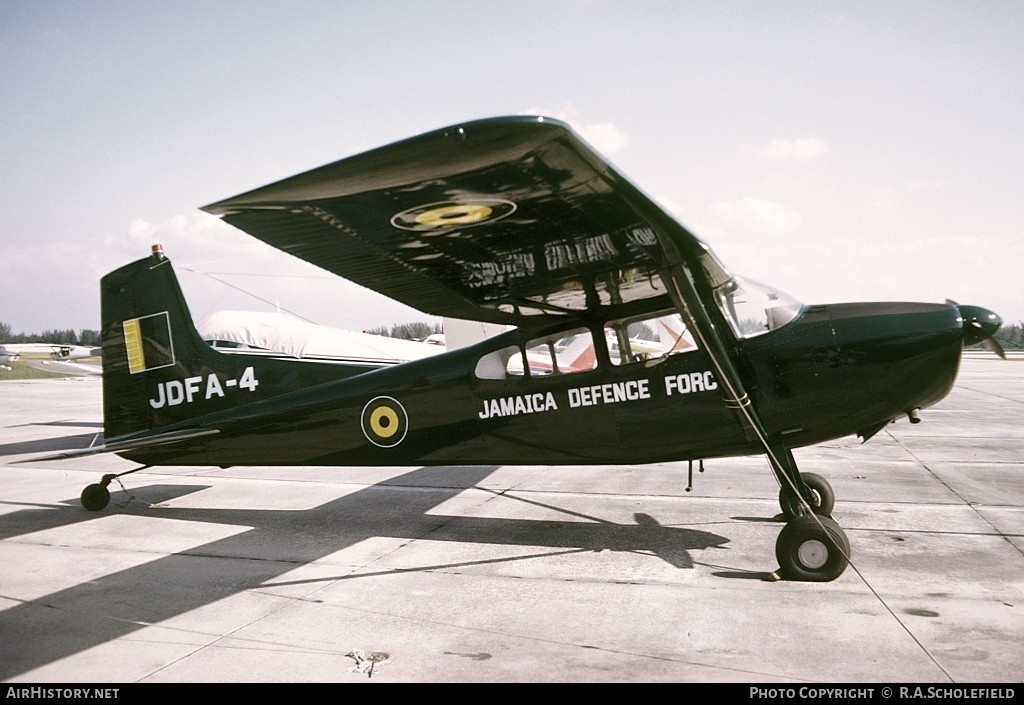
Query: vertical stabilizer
x=148, y=336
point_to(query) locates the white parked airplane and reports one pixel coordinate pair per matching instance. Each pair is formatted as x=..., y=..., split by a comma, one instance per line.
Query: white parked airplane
x=8, y=356
x=278, y=335
x=56, y=351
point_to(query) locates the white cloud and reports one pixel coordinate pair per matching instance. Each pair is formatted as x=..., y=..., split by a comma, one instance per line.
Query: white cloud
x=759, y=215
x=670, y=205
x=884, y=200
x=605, y=137
x=188, y=234
x=218, y=266
x=799, y=150
x=221, y=268
x=921, y=186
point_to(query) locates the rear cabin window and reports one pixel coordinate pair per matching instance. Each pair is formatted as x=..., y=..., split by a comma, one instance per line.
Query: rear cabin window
x=565, y=353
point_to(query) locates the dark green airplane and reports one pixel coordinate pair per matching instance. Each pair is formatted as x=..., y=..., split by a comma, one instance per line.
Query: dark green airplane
x=628, y=341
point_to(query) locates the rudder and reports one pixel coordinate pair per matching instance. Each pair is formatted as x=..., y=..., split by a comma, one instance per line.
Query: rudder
x=147, y=330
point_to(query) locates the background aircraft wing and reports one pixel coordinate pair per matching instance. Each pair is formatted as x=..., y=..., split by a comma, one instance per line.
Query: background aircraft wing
x=507, y=220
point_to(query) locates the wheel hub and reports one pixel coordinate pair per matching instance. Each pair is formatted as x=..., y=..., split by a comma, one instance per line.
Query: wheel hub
x=813, y=554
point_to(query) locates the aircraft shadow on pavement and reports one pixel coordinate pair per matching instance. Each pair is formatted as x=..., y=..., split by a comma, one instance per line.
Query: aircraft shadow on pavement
x=50, y=445
x=274, y=543
x=56, y=443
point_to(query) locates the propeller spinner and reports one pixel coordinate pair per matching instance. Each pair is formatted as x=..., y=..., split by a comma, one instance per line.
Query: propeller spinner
x=980, y=326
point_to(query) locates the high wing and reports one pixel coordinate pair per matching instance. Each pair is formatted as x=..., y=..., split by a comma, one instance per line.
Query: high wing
x=508, y=220
x=512, y=220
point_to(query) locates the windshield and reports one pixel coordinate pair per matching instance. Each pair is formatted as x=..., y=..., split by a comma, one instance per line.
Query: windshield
x=752, y=308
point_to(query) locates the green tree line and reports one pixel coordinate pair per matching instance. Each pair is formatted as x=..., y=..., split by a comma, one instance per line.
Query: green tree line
x=1010, y=336
x=407, y=331
x=86, y=337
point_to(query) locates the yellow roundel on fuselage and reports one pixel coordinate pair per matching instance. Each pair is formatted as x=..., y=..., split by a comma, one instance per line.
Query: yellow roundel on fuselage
x=384, y=422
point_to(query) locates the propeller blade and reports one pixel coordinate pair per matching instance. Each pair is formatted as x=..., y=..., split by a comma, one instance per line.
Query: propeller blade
x=994, y=346
x=980, y=326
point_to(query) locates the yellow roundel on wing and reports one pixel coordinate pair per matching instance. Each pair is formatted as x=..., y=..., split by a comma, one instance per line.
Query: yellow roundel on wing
x=384, y=422
x=441, y=216
x=460, y=214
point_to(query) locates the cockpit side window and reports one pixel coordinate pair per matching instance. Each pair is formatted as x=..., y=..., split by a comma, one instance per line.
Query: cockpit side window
x=566, y=353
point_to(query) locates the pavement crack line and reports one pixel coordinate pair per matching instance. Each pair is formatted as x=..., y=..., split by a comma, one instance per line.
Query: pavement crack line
x=882, y=601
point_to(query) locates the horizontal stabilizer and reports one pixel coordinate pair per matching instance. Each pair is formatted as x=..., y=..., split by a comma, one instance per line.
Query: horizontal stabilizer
x=127, y=445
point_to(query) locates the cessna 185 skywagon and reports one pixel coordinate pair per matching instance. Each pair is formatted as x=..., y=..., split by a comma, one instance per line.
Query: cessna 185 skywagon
x=516, y=221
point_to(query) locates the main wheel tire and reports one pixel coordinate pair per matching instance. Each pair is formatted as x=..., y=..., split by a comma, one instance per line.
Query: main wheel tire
x=823, y=498
x=95, y=497
x=812, y=549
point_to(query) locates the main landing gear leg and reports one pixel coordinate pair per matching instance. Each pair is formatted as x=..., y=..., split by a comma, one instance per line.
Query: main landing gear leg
x=811, y=546
x=96, y=497
x=814, y=489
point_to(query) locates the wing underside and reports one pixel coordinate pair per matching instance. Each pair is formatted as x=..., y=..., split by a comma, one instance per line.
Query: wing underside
x=503, y=220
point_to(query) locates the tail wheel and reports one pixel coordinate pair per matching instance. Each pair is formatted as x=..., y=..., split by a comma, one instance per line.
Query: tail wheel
x=95, y=497
x=822, y=500
x=812, y=549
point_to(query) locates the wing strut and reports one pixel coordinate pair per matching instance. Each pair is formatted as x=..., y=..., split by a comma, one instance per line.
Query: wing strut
x=686, y=299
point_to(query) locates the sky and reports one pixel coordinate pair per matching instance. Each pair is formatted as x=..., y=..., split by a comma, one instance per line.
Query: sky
x=841, y=151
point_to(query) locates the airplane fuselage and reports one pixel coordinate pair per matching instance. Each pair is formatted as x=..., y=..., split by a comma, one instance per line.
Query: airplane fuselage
x=834, y=371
